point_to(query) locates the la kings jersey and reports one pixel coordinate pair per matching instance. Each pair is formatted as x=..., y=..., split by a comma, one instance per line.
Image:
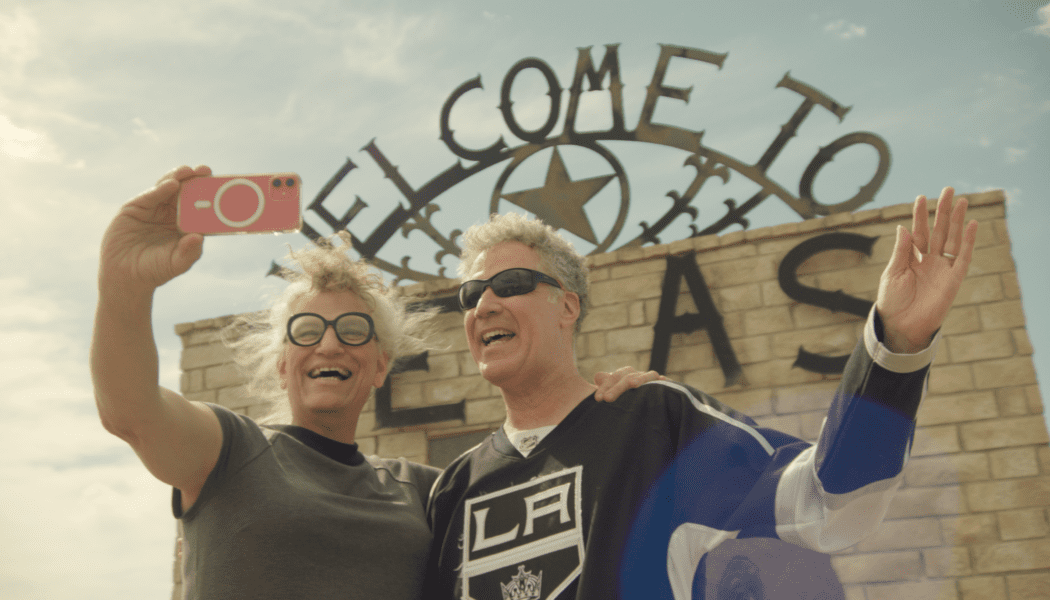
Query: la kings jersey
x=625, y=499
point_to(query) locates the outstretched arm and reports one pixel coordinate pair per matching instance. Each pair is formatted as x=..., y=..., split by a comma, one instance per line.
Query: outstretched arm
x=142, y=249
x=924, y=273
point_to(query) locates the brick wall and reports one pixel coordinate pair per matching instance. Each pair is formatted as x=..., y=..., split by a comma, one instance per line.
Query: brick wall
x=971, y=521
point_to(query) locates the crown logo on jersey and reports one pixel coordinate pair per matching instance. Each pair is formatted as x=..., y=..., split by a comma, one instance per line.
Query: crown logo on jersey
x=523, y=586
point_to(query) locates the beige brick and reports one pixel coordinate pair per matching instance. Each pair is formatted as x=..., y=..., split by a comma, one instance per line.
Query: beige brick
x=832, y=260
x=982, y=588
x=941, y=439
x=1008, y=494
x=970, y=406
x=805, y=316
x=1022, y=342
x=690, y=358
x=879, y=567
x=453, y=390
x=603, y=318
x=1023, y=555
x=1011, y=286
x=924, y=502
x=981, y=346
x=615, y=292
x=966, y=530
x=406, y=395
x=833, y=340
x=631, y=339
x=487, y=411
x=853, y=281
x=753, y=349
x=942, y=470
x=945, y=379
x=1002, y=315
x=1014, y=462
x=1029, y=586
x=1023, y=524
x=234, y=396
x=596, y=344
x=204, y=396
x=636, y=314
x=1035, y=400
x=979, y=290
x=1044, y=459
x=772, y=295
x=995, y=259
x=1003, y=433
x=191, y=381
x=367, y=445
x=1004, y=372
x=802, y=398
x=961, y=319
x=854, y=592
x=394, y=445
x=223, y=376
x=767, y=320
x=903, y=534
x=811, y=424
x=753, y=403
x=1013, y=402
x=439, y=366
x=204, y=356
x=790, y=424
x=741, y=297
x=740, y=272
x=639, y=268
x=729, y=251
x=201, y=336
x=778, y=372
x=467, y=366
x=946, y=562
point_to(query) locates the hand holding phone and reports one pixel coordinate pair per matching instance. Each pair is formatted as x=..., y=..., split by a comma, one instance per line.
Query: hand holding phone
x=229, y=204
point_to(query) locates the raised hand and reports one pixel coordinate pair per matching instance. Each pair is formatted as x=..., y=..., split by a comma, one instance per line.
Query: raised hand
x=611, y=385
x=924, y=274
x=143, y=248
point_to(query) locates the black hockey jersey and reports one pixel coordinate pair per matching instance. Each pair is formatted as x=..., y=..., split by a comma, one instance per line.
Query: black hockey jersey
x=625, y=499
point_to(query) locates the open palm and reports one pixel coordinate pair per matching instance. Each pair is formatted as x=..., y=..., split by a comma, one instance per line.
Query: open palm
x=924, y=273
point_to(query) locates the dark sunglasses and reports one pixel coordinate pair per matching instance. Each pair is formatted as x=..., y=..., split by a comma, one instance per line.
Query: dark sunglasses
x=352, y=328
x=512, y=282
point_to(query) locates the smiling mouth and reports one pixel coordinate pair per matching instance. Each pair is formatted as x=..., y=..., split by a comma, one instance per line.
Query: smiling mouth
x=496, y=336
x=340, y=374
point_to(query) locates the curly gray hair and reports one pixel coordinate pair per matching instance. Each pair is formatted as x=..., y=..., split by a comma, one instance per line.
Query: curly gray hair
x=258, y=339
x=556, y=254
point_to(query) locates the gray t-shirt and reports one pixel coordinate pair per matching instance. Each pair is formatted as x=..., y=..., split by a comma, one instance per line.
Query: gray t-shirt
x=279, y=518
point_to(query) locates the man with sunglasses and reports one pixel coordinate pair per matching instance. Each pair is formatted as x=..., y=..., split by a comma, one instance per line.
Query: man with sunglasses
x=573, y=498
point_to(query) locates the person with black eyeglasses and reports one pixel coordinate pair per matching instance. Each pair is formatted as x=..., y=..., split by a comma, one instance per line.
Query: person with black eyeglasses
x=578, y=499
x=287, y=507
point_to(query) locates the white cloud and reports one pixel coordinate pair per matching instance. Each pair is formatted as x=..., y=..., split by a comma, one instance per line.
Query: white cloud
x=845, y=30
x=19, y=43
x=1044, y=21
x=1014, y=155
x=25, y=144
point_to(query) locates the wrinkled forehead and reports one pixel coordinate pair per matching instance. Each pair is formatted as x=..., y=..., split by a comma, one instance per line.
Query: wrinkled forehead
x=503, y=256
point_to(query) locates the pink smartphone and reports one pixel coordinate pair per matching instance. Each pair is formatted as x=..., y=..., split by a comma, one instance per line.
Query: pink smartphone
x=226, y=204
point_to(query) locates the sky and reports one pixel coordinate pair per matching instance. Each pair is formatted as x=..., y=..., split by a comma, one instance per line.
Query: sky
x=99, y=98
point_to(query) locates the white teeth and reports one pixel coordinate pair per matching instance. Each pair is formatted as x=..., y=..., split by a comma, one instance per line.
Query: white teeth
x=497, y=334
x=340, y=373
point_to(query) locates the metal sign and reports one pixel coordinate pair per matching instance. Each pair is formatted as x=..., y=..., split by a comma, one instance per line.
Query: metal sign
x=560, y=200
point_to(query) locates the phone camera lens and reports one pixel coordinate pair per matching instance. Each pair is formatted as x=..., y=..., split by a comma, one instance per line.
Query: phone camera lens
x=289, y=182
x=277, y=183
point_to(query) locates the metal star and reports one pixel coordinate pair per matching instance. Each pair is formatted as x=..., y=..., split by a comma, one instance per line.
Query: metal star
x=559, y=203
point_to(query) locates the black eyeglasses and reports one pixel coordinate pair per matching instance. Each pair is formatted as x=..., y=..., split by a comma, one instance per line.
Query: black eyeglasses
x=352, y=328
x=512, y=282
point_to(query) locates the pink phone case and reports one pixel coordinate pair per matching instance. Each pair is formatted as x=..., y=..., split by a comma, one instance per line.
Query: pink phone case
x=228, y=204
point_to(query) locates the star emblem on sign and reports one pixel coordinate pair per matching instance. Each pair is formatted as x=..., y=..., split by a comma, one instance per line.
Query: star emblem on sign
x=559, y=203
